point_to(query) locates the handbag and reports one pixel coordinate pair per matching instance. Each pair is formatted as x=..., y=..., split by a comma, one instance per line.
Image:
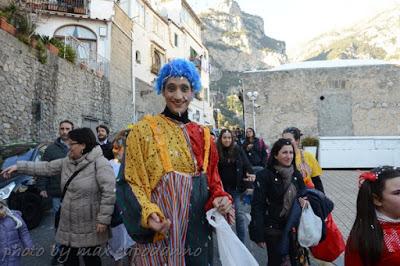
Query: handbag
x=333, y=245
x=310, y=227
x=58, y=212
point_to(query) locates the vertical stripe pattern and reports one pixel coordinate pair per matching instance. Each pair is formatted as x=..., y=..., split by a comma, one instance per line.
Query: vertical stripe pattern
x=172, y=195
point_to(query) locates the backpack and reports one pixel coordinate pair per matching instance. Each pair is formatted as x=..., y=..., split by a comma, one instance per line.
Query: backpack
x=262, y=145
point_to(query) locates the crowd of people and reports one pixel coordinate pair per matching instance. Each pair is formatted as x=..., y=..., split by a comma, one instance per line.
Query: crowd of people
x=176, y=171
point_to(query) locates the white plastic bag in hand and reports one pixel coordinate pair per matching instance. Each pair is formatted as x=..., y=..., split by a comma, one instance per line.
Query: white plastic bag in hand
x=310, y=227
x=231, y=250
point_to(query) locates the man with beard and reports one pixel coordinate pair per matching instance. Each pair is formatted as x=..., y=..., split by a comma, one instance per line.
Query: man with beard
x=51, y=185
x=102, y=137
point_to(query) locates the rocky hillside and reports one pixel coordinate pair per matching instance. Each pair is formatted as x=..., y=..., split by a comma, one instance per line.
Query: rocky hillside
x=375, y=38
x=236, y=41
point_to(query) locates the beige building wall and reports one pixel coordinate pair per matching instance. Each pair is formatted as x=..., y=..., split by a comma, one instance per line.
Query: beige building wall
x=121, y=80
x=335, y=101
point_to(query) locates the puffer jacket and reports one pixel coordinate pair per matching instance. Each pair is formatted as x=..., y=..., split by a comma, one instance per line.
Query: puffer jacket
x=88, y=201
x=13, y=240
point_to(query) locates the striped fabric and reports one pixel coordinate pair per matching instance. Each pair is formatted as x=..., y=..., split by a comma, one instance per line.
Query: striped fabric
x=172, y=195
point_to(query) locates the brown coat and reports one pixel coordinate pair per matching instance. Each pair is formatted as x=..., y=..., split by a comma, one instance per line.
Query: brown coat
x=89, y=199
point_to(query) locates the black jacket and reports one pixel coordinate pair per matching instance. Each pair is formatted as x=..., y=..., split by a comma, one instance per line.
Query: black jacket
x=51, y=184
x=267, y=202
x=257, y=155
x=242, y=166
x=107, y=150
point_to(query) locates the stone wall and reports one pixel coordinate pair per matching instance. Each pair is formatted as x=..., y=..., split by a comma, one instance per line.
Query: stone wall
x=121, y=80
x=35, y=96
x=341, y=101
x=147, y=101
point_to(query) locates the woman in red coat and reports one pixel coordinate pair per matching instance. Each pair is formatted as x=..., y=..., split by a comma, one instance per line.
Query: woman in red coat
x=375, y=236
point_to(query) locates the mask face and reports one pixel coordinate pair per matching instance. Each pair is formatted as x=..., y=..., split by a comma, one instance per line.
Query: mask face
x=178, y=94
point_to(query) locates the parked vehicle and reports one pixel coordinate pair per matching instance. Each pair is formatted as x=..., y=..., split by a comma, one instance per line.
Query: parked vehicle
x=20, y=191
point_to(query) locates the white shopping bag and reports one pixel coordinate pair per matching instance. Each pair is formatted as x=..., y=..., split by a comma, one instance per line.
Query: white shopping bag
x=232, y=251
x=310, y=227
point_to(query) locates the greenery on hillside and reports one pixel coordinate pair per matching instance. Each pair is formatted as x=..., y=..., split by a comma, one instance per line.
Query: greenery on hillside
x=227, y=100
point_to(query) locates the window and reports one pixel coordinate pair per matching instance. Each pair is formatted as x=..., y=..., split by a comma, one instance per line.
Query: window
x=139, y=14
x=156, y=62
x=193, y=53
x=188, y=19
x=138, y=57
x=157, y=59
x=83, y=40
x=176, y=40
x=159, y=28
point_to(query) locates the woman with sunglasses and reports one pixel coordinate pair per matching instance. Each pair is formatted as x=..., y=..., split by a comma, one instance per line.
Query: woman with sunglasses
x=88, y=202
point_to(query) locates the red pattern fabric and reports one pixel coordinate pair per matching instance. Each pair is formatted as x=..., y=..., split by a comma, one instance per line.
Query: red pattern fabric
x=391, y=251
x=196, y=134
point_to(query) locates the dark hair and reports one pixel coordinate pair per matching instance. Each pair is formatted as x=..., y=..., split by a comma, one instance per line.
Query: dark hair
x=226, y=154
x=103, y=126
x=366, y=235
x=85, y=136
x=294, y=131
x=66, y=121
x=272, y=161
x=252, y=129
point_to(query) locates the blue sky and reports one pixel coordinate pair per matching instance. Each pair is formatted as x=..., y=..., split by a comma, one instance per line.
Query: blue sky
x=297, y=21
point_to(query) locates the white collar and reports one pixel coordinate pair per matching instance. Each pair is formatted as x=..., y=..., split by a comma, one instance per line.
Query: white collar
x=384, y=218
x=103, y=142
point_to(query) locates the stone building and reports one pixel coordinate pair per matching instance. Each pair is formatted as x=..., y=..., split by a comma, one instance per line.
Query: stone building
x=326, y=98
x=35, y=97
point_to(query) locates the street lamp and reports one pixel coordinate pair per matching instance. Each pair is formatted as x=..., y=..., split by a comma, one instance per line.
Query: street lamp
x=253, y=97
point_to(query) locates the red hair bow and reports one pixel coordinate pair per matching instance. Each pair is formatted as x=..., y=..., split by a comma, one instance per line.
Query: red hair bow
x=370, y=176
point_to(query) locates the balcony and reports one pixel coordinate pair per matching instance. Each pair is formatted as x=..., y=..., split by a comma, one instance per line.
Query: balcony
x=64, y=6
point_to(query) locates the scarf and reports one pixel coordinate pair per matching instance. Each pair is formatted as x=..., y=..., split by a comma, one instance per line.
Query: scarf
x=290, y=189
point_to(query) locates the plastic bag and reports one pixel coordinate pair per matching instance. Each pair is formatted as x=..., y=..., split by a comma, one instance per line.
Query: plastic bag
x=310, y=227
x=231, y=250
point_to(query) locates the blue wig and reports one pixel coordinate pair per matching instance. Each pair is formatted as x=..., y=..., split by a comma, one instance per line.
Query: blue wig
x=178, y=68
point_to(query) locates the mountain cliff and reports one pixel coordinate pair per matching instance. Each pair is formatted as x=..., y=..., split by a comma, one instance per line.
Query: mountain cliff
x=236, y=42
x=375, y=38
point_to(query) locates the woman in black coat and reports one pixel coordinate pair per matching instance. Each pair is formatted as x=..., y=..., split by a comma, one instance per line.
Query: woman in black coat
x=236, y=175
x=276, y=188
x=255, y=149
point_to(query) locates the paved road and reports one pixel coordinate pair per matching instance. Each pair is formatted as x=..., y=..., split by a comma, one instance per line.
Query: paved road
x=340, y=186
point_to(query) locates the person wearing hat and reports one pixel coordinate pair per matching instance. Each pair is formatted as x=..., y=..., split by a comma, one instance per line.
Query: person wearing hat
x=172, y=167
x=14, y=236
x=305, y=161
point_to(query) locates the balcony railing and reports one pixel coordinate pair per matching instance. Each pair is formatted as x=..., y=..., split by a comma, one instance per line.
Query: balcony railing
x=87, y=58
x=66, y=6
